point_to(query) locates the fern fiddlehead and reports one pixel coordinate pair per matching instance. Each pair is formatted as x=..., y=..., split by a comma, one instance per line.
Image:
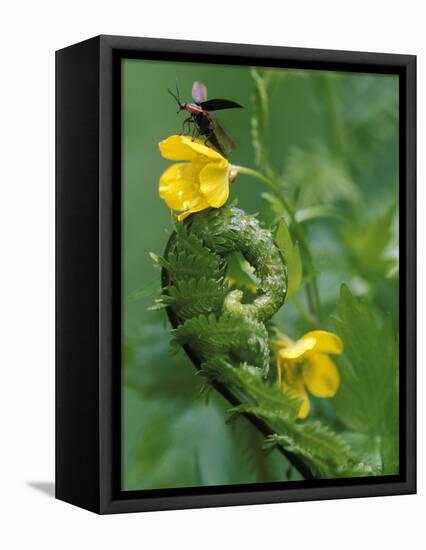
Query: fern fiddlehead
x=211, y=318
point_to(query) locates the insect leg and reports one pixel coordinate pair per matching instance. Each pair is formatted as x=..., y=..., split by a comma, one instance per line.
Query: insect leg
x=194, y=131
x=185, y=124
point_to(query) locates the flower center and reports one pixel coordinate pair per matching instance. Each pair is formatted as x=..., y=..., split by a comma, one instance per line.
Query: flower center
x=294, y=370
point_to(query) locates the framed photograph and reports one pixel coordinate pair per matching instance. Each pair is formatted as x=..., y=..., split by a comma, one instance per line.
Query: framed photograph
x=235, y=274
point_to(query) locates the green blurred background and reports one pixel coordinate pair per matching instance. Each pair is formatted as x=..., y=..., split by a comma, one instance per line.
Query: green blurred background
x=333, y=138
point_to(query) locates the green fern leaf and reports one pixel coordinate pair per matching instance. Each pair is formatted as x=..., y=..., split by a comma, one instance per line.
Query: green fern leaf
x=209, y=336
x=192, y=297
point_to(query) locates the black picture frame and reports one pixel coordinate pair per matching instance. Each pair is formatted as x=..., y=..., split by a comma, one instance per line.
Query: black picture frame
x=88, y=303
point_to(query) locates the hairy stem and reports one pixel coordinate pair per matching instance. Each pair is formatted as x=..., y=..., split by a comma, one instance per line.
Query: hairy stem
x=327, y=93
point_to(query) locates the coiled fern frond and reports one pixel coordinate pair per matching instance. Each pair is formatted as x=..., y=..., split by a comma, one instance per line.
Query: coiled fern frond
x=224, y=329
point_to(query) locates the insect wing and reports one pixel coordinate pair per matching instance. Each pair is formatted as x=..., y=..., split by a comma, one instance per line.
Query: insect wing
x=199, y=92
x=225, y=140
x=219, y=104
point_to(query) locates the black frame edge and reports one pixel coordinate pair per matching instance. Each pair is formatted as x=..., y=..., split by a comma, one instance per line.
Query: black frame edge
x=254, y=51
x=77, y=321
x=410, y=283
x=236, y=498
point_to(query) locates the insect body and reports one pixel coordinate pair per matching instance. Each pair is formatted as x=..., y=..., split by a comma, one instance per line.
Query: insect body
x=202, y=121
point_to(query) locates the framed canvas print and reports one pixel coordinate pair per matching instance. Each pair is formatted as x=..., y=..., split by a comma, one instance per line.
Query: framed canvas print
x=235, y=274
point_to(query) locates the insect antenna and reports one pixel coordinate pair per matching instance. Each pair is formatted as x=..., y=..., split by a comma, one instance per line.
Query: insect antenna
x=176, y=96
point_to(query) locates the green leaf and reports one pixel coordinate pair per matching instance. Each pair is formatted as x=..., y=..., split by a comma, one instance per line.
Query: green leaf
x=367, y=241
x=291, y=255
x=149, y=289
x=317, y=212
x=317, y=177
x=240, y=273
x=367, y=400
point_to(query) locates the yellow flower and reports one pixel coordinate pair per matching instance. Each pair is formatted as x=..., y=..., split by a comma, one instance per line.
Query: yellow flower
x=306, y=366
x=201, y=182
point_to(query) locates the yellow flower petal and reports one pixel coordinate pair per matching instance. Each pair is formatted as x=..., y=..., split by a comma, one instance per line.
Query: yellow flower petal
x=321, y=375
x=196, y=206
x=199, y=147
x=173, y=148
x=297, y=390
x=326, y=342
x=297, y=350
x=186, y=148
x=214, y=183
x=281, y=340
x=304, y=409
x=179, y=186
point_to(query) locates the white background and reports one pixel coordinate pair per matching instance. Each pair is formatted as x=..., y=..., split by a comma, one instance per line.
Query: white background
x=30, y=31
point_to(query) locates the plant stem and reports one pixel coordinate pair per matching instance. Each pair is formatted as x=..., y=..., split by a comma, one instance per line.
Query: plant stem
x=305, y=314
x=311, y=288
x=328, y=96
x=255, y=174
